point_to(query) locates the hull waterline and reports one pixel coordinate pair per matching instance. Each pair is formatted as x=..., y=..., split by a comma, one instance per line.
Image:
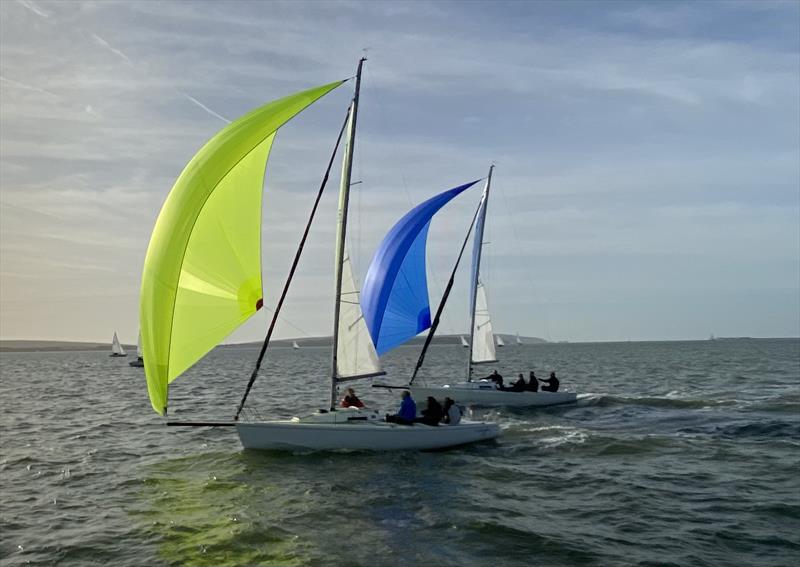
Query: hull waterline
x=358, y=431
x=487, y=395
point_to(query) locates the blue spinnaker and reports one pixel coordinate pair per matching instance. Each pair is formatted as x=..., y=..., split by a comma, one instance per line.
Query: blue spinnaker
x=394, y=298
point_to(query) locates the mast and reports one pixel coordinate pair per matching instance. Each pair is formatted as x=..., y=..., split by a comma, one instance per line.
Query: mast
x=295, y=262
x=476, y=276
x=344, y=198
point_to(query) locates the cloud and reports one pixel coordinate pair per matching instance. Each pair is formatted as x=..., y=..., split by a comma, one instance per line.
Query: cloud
x=204, y=107
x=27, y=87
x=647, y=136
x=114, y=50
x=34, y=8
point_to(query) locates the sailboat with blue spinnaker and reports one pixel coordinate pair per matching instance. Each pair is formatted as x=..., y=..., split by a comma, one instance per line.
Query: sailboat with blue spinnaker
x=393, y=310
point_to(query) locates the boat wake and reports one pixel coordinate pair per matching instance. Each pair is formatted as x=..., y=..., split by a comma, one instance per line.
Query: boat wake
x=667, y=401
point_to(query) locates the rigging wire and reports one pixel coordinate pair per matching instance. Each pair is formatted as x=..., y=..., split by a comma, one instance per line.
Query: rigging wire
x=533, y=287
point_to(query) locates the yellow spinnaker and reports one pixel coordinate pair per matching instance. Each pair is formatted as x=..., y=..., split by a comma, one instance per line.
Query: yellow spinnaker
x=202, y=272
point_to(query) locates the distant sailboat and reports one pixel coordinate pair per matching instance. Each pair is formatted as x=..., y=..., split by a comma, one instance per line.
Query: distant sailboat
x=500, y=341
x=464, y=342
x=295, y=345
x=519, y=341
x=139, y=362
x=116, y=348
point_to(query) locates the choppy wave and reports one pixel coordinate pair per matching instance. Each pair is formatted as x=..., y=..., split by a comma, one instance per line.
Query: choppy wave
x=685, y=455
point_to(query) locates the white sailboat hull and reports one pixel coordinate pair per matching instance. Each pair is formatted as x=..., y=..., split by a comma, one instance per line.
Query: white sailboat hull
x=483, y=393
x=359, y=430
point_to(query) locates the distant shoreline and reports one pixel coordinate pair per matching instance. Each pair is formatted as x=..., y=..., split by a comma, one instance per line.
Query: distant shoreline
x=71, y=346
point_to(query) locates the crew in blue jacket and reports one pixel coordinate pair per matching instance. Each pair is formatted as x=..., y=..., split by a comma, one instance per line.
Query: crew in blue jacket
x=407, y=412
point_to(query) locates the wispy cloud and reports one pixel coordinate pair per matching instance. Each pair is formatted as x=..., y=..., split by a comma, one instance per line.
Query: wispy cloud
x=34, y=8
x=204, y=107
x=20, y=85
x=114, y=50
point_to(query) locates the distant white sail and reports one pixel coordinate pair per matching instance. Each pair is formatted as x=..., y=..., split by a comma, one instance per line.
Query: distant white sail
x=482, y=336
x=139, y=351
x=500, y=341
x=116, y=348
x=355, y=353
x=464, y=342
x=295, y=345
x=519, y=341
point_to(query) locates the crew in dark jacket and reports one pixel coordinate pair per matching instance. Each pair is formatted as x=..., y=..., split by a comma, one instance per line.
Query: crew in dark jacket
x=496, y=378
x=519, y=385
x=432, y=414
x=551, y=384
x=533, y=382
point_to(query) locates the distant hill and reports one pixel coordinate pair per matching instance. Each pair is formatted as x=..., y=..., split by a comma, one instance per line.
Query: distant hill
x=510, y=340
x=34, y=346
x=31, y=346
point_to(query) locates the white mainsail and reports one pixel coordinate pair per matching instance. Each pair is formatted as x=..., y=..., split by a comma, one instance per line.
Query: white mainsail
x=519, y=341
x=356, y=354
x=464, y=342
x=500, y=341
x=295, y=345
x=482, y=346
x=116, y=348
x=482, y=337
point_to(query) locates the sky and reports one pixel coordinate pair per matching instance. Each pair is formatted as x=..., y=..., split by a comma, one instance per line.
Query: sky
x=647, y=181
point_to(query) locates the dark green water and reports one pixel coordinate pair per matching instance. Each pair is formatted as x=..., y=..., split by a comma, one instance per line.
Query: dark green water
x=680, y=453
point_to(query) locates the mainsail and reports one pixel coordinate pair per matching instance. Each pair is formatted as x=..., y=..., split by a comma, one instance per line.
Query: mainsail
x=482, y=337
x=202, y=272
x=482, y=347
x=395, y=294
x=356, y=353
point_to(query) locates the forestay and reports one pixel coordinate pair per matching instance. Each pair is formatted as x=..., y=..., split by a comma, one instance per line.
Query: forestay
x=395, y=293
x=202, y=272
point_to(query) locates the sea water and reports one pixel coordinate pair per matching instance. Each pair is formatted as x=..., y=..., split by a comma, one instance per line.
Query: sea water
x=677, y=453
